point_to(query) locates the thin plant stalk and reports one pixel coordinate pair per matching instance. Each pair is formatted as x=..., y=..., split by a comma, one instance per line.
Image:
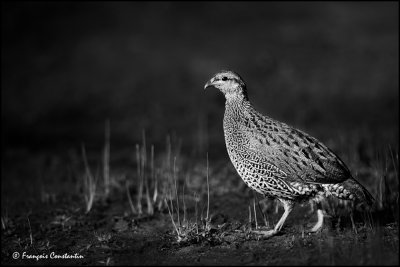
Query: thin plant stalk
x=277, y=207
x=196, y=199
x=169, y=152
x=170, y=200
x=4, y=220
x=172, y=218
x=140, y=187
x=262, y=212
x=255, y=212
x=176, y=192
x=150, y=209
x=144, y=145
x=153, y=176
x=201, y=213
x=183, y=200
x=208, y=191
x=134, y=211
x=168, y=163
x=143, y=158
x=106, y=158
x=250, y=216
x=394, y=163
x=30, y=229
x=352, y=223
x=3, y=223
x=89, y=183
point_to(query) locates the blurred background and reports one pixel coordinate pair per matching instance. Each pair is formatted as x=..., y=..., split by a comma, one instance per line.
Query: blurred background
x=67, y=68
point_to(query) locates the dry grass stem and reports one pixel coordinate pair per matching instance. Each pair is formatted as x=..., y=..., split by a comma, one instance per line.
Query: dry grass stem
x=30, y=230
x=208, y=191
x=250, y=216
x=140, y=178
x=106, y=158
x=89, y=183
x=255, y=212
x=153, y=175
x=172, y=218
x=133, y=209
x=176, y=192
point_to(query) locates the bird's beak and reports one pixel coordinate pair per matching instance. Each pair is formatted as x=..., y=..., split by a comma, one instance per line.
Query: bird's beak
x=209, y=84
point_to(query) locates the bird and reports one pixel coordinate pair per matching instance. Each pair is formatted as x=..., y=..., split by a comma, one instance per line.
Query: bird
x=280, y=161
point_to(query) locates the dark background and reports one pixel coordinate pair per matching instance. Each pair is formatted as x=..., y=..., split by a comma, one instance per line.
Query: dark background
x=328, y=68
x=66, y=68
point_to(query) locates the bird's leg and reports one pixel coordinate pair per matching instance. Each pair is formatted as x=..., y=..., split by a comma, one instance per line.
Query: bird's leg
x=320, y=221
x=288, y=206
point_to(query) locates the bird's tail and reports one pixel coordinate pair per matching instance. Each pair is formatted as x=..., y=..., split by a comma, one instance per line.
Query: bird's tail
x=362, y=198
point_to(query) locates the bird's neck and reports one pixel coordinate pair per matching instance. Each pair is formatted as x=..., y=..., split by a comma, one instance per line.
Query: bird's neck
x=237, y=101
x=237, y=105
x=236, y=113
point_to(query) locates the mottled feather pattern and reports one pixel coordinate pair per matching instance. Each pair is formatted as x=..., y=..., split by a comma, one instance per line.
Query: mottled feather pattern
x=295, y=152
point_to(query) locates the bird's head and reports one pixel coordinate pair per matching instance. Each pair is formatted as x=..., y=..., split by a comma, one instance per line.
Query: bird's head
x=229, y=83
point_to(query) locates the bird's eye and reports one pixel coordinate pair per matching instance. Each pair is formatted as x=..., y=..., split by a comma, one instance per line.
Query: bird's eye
x=224, y=78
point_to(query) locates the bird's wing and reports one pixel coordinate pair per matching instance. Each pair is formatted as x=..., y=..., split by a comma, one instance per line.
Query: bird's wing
x=297, y=154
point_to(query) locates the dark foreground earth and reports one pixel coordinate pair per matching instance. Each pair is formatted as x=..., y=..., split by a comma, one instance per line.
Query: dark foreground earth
x=41, y=220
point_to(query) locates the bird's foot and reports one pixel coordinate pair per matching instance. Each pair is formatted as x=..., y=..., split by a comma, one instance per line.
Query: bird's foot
x=265, y=234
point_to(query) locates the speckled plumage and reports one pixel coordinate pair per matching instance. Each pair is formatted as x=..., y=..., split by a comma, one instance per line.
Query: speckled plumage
x=276, y=159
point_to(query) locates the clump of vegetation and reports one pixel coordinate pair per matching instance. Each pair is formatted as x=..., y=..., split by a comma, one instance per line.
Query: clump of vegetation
x=188, y=230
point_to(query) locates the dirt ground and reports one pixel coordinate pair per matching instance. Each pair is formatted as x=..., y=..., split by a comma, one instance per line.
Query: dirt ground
x=110, y=234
